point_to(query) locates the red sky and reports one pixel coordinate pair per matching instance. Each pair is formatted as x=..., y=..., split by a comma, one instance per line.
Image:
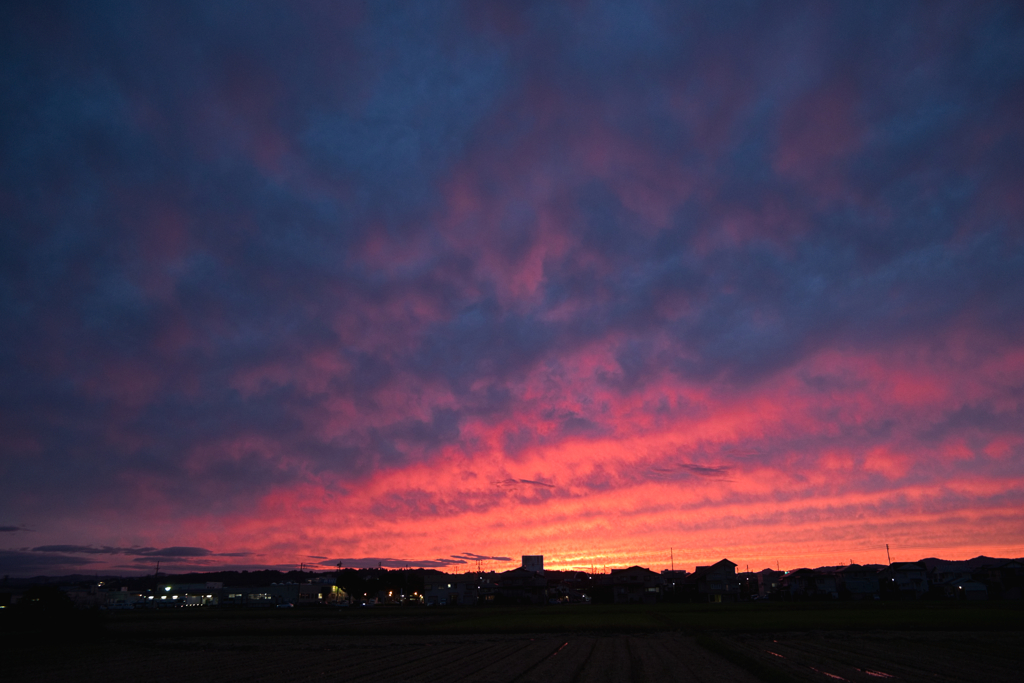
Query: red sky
x=431, y=285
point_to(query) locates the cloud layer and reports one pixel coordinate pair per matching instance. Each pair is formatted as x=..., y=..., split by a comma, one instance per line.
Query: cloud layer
x=588, y=280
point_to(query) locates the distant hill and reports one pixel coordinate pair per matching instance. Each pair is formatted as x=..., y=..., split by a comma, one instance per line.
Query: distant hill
x=66, y=579
x=969, y=565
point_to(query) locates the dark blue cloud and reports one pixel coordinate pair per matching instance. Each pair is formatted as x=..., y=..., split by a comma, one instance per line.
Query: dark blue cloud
x=191, y=192
x=28, y=563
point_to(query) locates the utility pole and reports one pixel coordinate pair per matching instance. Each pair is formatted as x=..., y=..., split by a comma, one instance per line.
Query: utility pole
x=887, y=554
x=672, y=558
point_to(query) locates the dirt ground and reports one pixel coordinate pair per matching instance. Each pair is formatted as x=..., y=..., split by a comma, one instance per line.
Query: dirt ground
x=776, y=644
x=548, y=658
x=485, y=658
x=950, y=657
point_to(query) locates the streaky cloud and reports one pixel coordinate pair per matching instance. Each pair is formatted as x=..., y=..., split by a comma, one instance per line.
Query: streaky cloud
x=506, y=483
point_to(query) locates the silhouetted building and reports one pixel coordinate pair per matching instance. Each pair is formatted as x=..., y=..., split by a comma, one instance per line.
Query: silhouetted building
x=768, y=581
x=674, y=588
x=809, y=584
x=293, y=593
x=716, y=583
x=451, y=589
x=907, y=580
x=522, y=586
x=636, y=585
x=961, y=589
x=858, y=582
x=1004, y=580
x=533, y=563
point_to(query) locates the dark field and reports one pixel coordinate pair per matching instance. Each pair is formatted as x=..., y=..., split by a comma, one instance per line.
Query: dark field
x=745, y=642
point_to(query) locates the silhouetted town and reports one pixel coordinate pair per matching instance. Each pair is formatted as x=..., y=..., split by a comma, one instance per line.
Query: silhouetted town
x=982, y=578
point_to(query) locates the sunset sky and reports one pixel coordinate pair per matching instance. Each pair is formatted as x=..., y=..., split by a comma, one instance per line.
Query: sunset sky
x=426, y=283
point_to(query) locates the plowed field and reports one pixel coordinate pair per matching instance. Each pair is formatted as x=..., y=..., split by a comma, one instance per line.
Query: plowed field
x=524, y=645
x=876, y=657
x=487, y=659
